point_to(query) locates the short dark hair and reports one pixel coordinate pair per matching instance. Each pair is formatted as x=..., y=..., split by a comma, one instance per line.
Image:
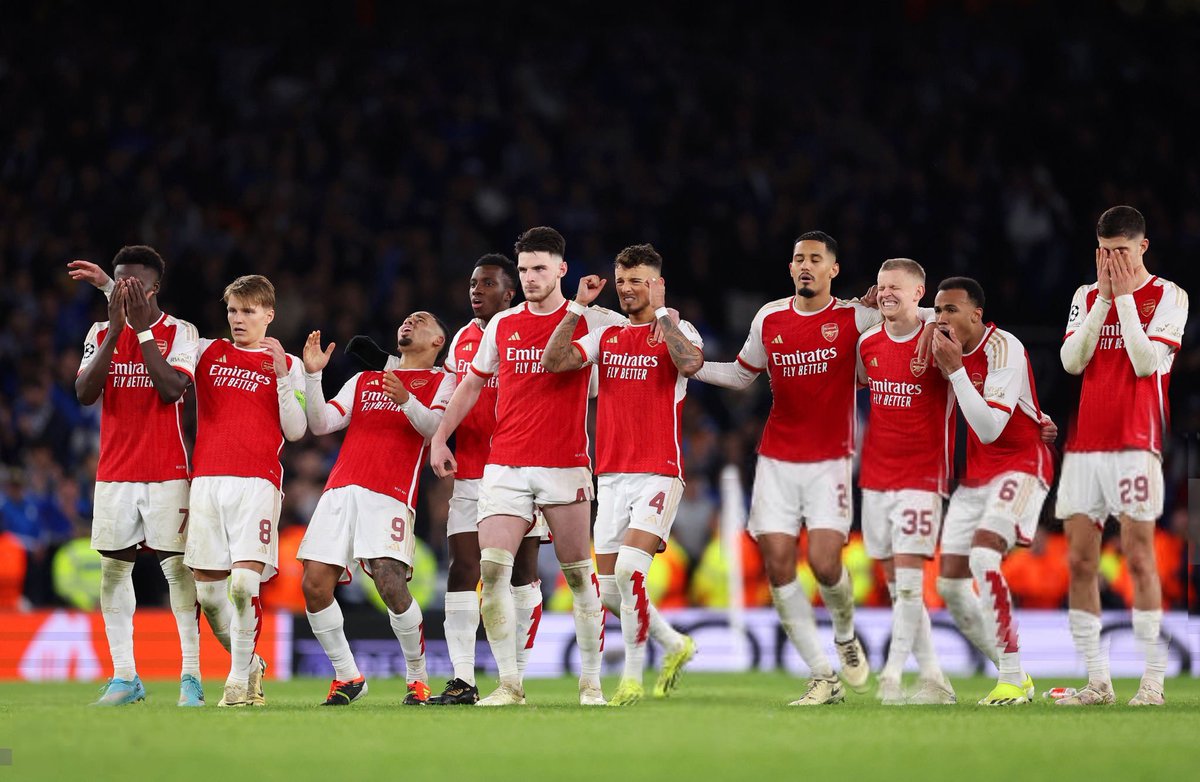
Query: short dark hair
x=441, y=356
x=1124, y=221
x=140, y=255
x=972, y=288
x=508, y=269
x=831, y=245
x=541, y=239
x=640, y=255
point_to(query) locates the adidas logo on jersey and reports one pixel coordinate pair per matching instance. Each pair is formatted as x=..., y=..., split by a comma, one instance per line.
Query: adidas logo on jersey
x=221, y=360
x=515, y=336
x=778, y=340
x=611, y=340
x=468, y=347
x=874, y=362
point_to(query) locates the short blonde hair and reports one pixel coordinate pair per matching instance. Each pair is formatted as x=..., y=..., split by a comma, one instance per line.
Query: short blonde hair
x=905, y=265
x=253, y=288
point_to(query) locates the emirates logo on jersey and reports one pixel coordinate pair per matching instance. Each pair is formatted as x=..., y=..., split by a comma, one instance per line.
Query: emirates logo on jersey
x=977, y=381
x=1148, y=308
x=829, y=331
x=917, y=366
x=418, y=383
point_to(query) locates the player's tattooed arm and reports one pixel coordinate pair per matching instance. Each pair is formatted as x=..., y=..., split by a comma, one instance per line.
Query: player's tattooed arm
x=90, y=383
x=168, y=382
x=559, y=355
x=684, y=354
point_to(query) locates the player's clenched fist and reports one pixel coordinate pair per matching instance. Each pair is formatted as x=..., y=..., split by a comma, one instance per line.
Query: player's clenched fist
x=316, y=359
x=589, y=288
x=658, y=293
x=394, y=388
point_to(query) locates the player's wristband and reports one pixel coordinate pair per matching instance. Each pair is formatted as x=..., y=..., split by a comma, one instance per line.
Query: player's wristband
x=576, y=307
x=662, y=312
x=145, y=336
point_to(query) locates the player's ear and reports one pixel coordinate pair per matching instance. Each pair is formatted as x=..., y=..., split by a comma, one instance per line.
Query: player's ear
x=833, y=270
x=562, y=268
x=270, y=315
x=920, y=292
x=1145, y=245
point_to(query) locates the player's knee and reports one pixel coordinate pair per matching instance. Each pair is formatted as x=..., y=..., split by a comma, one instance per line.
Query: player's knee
x=241, y=587
x=827, y=573
x=1082, y=562
x=463, y=576
x=317, y=591
x=779, y=572
x=1141, y=565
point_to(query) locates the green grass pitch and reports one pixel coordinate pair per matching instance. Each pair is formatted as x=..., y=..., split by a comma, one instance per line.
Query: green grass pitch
x=727, y=726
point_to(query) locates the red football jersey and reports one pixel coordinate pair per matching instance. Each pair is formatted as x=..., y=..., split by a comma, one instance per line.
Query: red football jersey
x=909, y=442
x=237, y=411
x=1117, y=409
x=141, y=437
x=473, y=437
x=640, y=403
x=541, y=417
x=999, y=369
x=809, y=358
x=382, y=451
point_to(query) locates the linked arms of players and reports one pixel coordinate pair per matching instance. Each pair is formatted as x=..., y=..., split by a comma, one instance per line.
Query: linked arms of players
x=684, y=354
x=441, y=458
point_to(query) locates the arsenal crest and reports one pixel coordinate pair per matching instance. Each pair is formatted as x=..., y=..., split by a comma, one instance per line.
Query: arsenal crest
x=917, y=366
x=829, y=331
x=977, y=381
x=268, y=366
x=650, y=340
x=161, y=344
x=418, y=383
x=1148, y=307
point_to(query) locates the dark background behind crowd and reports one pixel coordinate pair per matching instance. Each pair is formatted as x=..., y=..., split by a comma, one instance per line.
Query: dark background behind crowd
x=363, y=155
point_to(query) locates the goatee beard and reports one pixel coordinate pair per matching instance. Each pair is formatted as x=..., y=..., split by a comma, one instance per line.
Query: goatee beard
x=404, y=342
x=806, y=293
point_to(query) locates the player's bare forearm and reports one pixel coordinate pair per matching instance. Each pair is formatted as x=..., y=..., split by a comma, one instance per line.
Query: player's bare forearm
x=559, y=356
x=169, y=382
x=686, y=356
x=461, y=402
x=90, y=383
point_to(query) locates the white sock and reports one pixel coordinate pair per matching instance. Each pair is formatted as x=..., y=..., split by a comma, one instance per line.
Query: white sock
x=610, y=596
x=906, y=619
x=499, y=612
x=244, y=585
x=527, y=600
x=661, y=631
x=931, y=669
x=839, y=600
x=182, y=588
x=589, y=617
x=997, y=608
x=632, y=566
x=796, y=616
x=964, y=606
x=1085, y=630
x=1146, y=629
x=462, y=625
x=409, y=628
x=327, y=627
x=213, y=597
x=117, y=603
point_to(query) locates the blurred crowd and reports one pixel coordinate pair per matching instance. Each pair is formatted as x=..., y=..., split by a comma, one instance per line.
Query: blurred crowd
x=364, y=156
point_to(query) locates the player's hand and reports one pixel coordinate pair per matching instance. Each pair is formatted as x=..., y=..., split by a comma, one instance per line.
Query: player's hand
x=116, y=308
x=870, y=298
x=925, y=343
x=947, y=350
x=137, y=305
x=589, y=288
x=86, y=271
x=314, y=358
x=275, y=348
x=441, y=459
x=1049, y=430
x=1120, y=268
x=1103, y=277
x=394, y=388
x=658, y=293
